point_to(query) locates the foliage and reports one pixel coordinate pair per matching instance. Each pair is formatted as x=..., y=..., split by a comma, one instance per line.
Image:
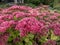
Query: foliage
x=38, y=2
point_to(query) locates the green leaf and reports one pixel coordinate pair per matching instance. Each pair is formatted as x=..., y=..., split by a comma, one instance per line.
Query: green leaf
x=15, y=18
x=29, y=43
x=30, y=36
x=43, y=39
x=53, y=37
x=10, y=39
x=26, y=40
x=13, y=34
x=19, y=43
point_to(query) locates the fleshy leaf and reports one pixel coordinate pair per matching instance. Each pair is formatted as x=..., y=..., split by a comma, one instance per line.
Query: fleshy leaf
x=30, y=36
x=53, y=37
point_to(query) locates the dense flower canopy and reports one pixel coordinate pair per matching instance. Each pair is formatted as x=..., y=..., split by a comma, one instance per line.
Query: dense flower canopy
x=40, y=22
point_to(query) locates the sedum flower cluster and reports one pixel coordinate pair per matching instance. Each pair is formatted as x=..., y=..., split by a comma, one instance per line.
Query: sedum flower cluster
x=24, y=25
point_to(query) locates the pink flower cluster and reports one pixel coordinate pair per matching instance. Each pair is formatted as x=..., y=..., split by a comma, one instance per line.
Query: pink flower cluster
x=7, y=21
x=37, y=21
x=29, y=25
x=56, y=28
x=5, y=25
x=51, y=19
x=4, y=38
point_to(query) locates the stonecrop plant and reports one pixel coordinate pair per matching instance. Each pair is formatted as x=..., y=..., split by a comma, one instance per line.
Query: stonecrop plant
x=24, y=25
